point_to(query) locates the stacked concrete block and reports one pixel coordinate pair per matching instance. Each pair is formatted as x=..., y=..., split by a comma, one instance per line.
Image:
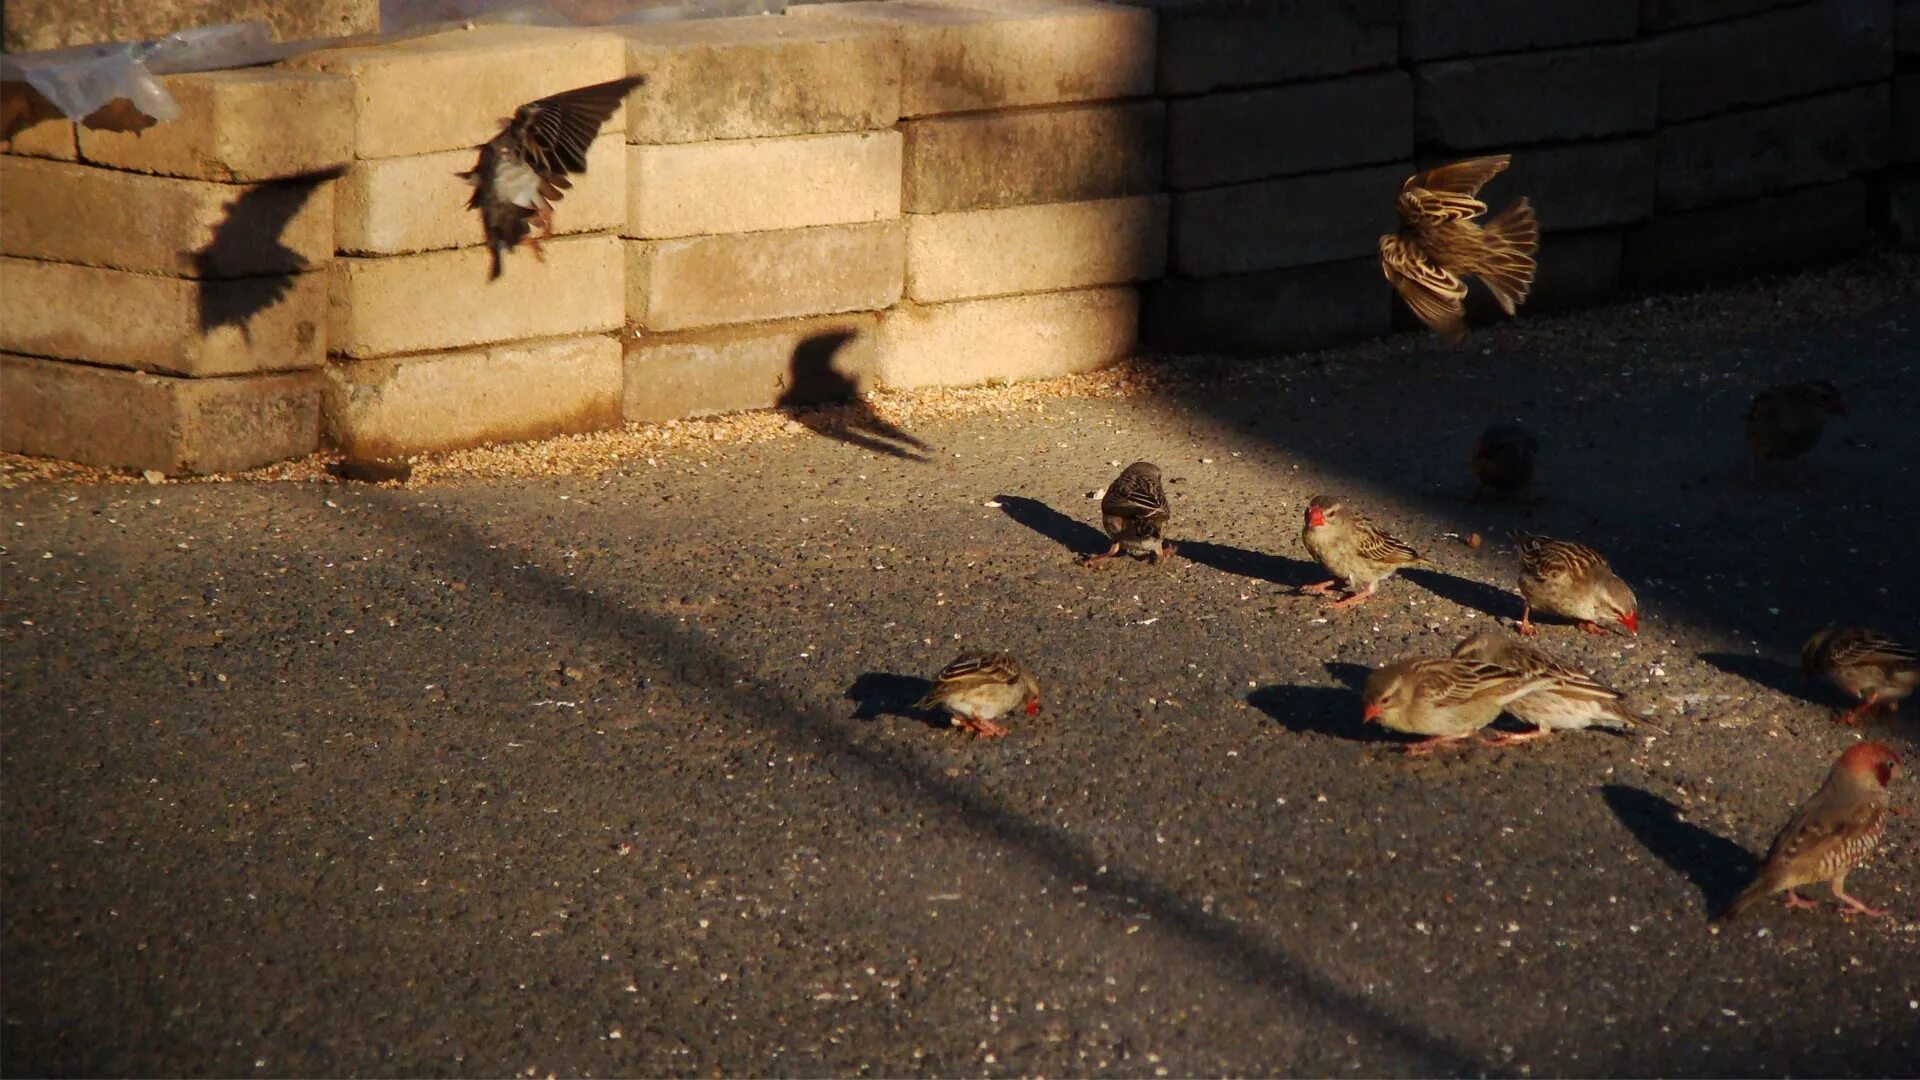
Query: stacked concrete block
x=1779, y=104
x=1032, y=157
x=762, y=225
x=1900, y=192
x=163, y=299
x=427, y=352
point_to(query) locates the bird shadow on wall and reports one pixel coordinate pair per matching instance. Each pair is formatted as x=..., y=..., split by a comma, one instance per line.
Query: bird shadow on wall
x=1076, y=536
x=880, y=694
x=1716, y=866
x=814, y=380
x=249, y=235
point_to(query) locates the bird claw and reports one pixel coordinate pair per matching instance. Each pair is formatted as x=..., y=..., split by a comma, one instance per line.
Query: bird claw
x=1794, y=901
x=1512, y=738
x=986, y=729
x=1596, y=629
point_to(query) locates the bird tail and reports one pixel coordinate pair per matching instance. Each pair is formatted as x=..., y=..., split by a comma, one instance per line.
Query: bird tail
x=495, y=250
x=1749, y=896
x=1621, y=721
x=1505, y=259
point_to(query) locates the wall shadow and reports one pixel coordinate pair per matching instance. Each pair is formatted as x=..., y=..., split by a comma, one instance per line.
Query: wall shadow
x=251, y=229
x=1716, y=866
x=826, y=401
x=1073, y=534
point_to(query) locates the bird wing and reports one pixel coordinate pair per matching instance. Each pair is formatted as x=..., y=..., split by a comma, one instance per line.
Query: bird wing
x=1461, y=177
x=1423, y=209
x=1435, y=294
x=1543, y=558
x=1869, y=648
x=1457, y=682
x=1825, y=829
x=1377, y=545
x=974, y=669
x=1138, y=493
x=556, y=131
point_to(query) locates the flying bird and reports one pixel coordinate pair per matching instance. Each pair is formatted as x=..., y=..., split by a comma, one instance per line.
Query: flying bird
x=1134, y=513
x=1832, y=832
x=1439, y=245
x=523, y=170
x=977, y=689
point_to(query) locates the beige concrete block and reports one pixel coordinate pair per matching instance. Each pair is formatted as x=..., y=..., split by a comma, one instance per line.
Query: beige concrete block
x=443, y=300
x=47, y=139
x=768, y=365
x=165, y=324
x=1037, y=336
x=697, y=281
x=133, y=420
x=755, y=78
x=525, y=390
x=159, y=225
x=51, y=24
x=238, y=126
x=1035, y=248
x=1064, y=154
x=967, y=55
x=443, y=91
x=395, y=206
x=751, y=185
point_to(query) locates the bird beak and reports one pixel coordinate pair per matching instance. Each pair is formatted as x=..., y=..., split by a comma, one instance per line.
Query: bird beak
x=1033, y=707
x=1371, y=713
x=1631, y=620
x=1316, y=519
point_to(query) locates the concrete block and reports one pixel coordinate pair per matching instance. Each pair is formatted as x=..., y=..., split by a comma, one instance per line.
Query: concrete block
x=1576, y=270
x=1064, y=154
x=1906, y=118
x=1774, y=57
x=133, y=420
x=1902, y=209
x=1234, y=137
x=1778, y=233
x=696, y=281
x=1660, y=15
x=759, y=78
x=54, y=139
x=1037, y=336
x=1438, y=29
x=1023, y=249
x=1281, y=311
x=1274, y=224
x=1210, y=45
x=1811, y=141
x=751, y=185
x=52, y=24
x=969, y=55
x=1906, y=27
x=163, y=324
x=63, y=212
x=1500, y=101
x=395, y=206
x=1582, y=185
x=445, y=91
x=443, y=300
x=404, y=405
x=768, y=365
x=239, y=126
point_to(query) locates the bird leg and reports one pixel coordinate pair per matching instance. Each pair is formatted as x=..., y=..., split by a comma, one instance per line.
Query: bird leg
x=1354, y=599
x=1596, y=629
x=1851, y=717
x=533, y=245
x=1794, y=900
x=1097, y=560
x=1527, y=629
x=985, y=729
x=1854, y=906
x=1432, y=743
x=1320, y=588
x=1166, y=552
x=1511, y=738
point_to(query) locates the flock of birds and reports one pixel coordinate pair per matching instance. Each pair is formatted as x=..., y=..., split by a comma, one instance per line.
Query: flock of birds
x=1447, y=700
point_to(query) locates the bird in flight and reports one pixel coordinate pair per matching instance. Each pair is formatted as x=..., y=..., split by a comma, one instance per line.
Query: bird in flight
x=1439, y=245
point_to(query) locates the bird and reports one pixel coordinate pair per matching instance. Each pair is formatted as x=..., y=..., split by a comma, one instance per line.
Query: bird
x=1873, y=668
x=1446, y=699
x=1134, y=513
x=1502, y=459
x=1785, y=422
x=1831, y=833
x=1351, y=548
x=977, y=689
x=1438, y=244
x=522, y=171
x=1572, y=700
x=1563, y=578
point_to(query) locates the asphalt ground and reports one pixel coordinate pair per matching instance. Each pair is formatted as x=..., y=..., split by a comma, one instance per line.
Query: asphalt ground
x=616, y=773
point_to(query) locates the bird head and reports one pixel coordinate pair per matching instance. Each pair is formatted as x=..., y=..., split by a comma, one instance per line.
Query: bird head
x=1320, y=509
x=1810, y=652
x=1870, y=760
x=1387, y=689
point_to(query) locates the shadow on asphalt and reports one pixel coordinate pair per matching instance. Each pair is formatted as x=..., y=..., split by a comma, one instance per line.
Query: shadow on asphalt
x=1258, y=565
x=1716, y=866
x=878, y=694
x=1317, y=710
x=1776, y=676
x=1475, y=595
x=1074, y=535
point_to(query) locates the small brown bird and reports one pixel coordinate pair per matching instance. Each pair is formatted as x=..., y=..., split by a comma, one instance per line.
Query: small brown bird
x=523, y=170
x=1502, y=459
x=1572, y=699
x=1831, y=833
x=977, y=689
x=1438, y=243
x=1353, y=549
x=1134, y=512
x=1875, y=669
x=1444, y=699
x=1571, y=580
x=1785, y=422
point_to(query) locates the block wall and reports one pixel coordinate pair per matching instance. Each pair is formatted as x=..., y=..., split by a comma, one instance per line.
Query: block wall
x=893, y=194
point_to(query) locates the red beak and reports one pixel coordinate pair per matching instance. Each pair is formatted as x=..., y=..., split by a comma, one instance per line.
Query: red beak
x=1033, y=707
x=1631, y=620
x=1371, y=713
x=1316, y=519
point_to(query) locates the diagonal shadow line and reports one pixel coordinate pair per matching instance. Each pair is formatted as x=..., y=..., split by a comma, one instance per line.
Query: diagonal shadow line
x=685, y=652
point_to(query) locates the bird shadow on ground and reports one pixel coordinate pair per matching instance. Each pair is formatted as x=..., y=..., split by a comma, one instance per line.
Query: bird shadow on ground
x=1716, y=866
x=880, y=694
x=1474, y=595
x=1772, y=674
x=1315, y=710
x=1076, y=536
x=1259, y=565
x=232, y=290
x=813, y=380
